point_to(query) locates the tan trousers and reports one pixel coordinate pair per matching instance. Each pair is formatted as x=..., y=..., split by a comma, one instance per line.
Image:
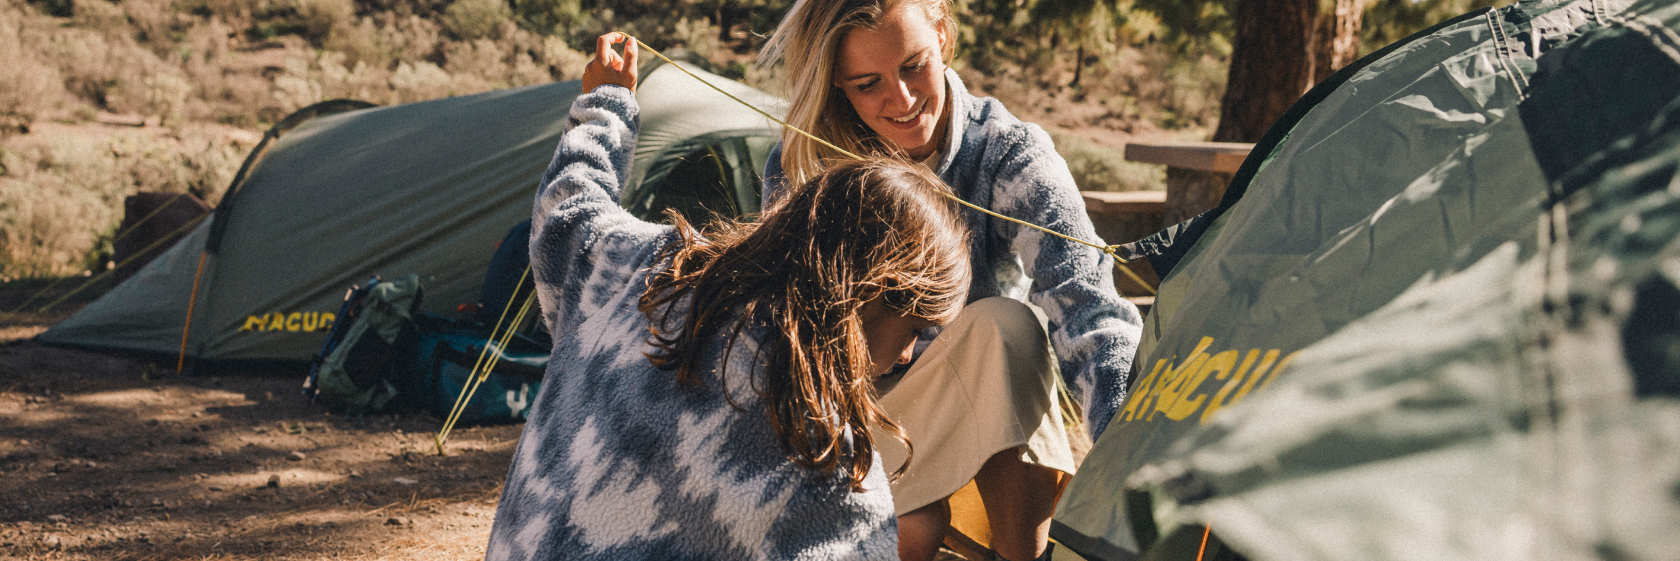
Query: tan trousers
x=985, y=385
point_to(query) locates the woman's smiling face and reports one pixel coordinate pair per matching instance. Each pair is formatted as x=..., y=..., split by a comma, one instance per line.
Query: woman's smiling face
x=894, y=77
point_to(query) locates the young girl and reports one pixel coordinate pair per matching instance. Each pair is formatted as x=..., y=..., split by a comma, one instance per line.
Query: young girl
x=710, y=396
x=872, y=75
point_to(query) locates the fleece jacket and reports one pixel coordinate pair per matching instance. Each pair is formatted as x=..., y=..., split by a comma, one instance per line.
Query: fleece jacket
x=1011, y=167
x=619, y=460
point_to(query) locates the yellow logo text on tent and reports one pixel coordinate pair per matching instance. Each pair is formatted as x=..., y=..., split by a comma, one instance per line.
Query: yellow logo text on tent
x=1175, y=392
x=293, y=322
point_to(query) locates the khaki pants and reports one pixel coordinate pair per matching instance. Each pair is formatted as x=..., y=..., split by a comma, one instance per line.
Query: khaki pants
x=985, y=385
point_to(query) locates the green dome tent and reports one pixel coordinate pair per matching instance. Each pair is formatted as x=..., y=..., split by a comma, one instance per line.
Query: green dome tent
x=427, y=188
x=1436, y=315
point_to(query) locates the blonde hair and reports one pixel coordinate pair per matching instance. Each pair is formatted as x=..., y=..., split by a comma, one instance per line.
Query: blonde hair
x=808, y=41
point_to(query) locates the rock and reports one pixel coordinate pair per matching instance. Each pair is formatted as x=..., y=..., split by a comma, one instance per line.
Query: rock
x=51, y=541
x=23, y=443
x=274, y=480
x=404, y=481
x=296, y=456
x=58, y=518
x=355, y=474
x=394, y=521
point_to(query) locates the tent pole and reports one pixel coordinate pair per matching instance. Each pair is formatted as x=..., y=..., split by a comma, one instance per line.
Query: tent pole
x=181, y=361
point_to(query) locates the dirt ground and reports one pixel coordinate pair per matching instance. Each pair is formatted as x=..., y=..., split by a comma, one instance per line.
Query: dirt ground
x=113, y=457
x=117, y=457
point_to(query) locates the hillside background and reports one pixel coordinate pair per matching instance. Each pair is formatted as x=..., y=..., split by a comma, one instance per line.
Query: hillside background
x=100, y=99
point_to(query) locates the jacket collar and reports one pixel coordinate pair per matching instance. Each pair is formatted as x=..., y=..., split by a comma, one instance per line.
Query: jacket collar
x=961, y=102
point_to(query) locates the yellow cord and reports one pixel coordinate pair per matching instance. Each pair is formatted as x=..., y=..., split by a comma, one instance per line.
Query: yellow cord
x=481, y=370
x=482, y=367
x=1111, y=250
x=131, y=258
x=119, y=236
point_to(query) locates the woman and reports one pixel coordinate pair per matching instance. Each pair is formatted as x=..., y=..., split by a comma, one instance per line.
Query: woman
x=710, y=397
x=872, y=76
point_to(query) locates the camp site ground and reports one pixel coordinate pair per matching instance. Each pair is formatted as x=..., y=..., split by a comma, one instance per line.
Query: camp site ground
x=106, y=457
x=1432, y=316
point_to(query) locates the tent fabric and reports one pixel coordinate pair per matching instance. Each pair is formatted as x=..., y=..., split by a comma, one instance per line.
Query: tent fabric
x=1344, y=364
x=425, y=188
x=1531, y=411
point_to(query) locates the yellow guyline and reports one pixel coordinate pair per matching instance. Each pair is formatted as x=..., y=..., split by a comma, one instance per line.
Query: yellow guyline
x=486, y=361
x=120, y=235
x=481, y=370
x=1111, y=250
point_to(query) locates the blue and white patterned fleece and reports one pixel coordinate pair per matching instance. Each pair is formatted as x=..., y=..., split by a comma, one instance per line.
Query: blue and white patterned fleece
x=618, y=460
x=1012, y=168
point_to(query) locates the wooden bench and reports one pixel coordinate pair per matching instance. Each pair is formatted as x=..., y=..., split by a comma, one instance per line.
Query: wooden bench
x=1219, y=157
x=1197, y=173
x=1123, y=217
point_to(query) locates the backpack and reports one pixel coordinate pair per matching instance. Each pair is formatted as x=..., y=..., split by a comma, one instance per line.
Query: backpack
x=384, y=355
x=448, y=351
x=370, y=347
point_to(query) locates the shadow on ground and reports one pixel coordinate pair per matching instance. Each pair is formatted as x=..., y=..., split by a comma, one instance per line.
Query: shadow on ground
x=112, y=457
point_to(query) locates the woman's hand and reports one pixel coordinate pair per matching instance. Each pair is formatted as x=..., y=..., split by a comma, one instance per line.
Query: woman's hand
x=610, y=68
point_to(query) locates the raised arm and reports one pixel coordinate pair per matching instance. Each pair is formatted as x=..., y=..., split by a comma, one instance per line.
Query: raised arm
x=1095, y=332
x=583, y=244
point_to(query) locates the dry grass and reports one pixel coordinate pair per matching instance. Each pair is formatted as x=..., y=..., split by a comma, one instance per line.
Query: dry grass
x=185, y=72
x=60, y=180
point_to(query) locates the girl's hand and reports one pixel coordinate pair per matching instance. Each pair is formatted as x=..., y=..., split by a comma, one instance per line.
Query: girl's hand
x=608, y=67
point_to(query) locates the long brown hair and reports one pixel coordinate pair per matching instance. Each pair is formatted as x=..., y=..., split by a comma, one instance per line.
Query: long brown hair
x=859, y=231
x=808, y=41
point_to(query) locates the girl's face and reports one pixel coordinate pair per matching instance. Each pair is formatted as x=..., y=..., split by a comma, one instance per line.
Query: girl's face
x=891, y=336
x=894, y=77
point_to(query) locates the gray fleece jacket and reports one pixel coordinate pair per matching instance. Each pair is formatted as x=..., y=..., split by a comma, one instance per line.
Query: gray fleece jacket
x=1012, y=168
x=618, y=460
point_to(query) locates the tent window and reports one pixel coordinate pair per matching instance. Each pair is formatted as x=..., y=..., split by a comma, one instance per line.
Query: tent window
x=699, y=187
x=719, y=179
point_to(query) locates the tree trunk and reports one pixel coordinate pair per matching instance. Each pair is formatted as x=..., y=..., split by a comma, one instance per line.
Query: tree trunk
x=1280, y=49
x=1338, y=38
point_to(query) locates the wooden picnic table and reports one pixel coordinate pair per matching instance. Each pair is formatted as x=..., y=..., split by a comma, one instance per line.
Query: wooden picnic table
x=1221, y=157
x=1121, y=217
x=1197, y=173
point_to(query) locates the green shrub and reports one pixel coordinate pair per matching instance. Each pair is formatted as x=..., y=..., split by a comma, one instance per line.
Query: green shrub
x=476, y=19
x=318, y=18
x=549, y=17
x=61, y=195
x=697, y=35
x=564, y=62
x=29, y=86
x=99, y=15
